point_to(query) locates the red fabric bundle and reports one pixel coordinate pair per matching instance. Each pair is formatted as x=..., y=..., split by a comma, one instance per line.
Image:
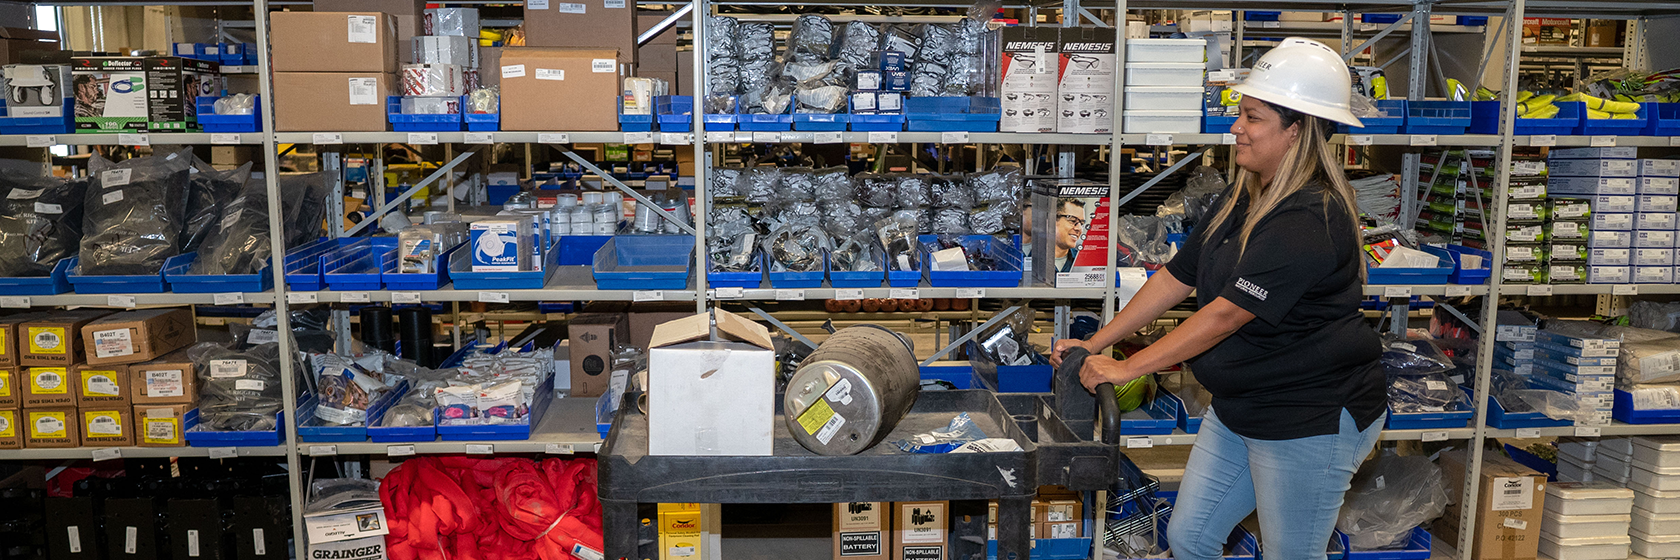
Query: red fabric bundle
x=464, y=508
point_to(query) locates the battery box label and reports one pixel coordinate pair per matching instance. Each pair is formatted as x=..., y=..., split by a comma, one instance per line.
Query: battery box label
x=860, y=544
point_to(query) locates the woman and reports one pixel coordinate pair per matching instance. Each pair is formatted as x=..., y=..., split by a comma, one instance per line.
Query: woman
x=1298, y=396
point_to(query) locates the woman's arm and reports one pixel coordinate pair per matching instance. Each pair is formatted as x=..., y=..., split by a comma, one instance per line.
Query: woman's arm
x=1203, y=330
x=1158, y=294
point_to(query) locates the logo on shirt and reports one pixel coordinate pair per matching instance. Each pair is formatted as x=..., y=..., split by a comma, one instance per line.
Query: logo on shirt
x=1253, y=290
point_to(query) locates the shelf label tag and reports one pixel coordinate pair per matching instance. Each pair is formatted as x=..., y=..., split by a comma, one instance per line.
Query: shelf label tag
x=1528, y=433
x=1674, y=140
x=558, y=449
x=728, y=293
x=836, y=138
x=1423, y=139
x=323, y=450
x=119, y=301
x=405, y=297
x=1625, y=289
x=1540, y=290
x=106, y=454
x=1361, y=140
x=1434, y=436
x=14, y=301
x=355, y=297
x=953, y=137
x=399, y=450
x=1228, y=139
x=720, y=136
x=971, y=293
x=1586, y=431
x=493, y=297
x=228, y=299
x=478, y=138
x=1543, y=140
x=1158, y=139
x=554, y=138
x=480, y=449
x=302, y=297
x=1139, y=443
x=224, y=452
x=134, y=139
x=638, y=137
x=790, y=295
x=767, y=137
x=328, y=138
x=848, y=294
x=1454, y=290
x=224, y=138
x=1600, y=141
x=423, y=138
x=905, y=293
x=887, y=137
x=655, y=295
x=1392, y=292
x=676, y=138
x=39, y=141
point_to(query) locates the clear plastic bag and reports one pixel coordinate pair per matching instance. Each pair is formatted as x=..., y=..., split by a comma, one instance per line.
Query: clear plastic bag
x=723, y=59
x=811, y=39
x=857, y=47
x=858, y=253
x=238, y=390
x=1001, y=184
x=1662, y=316
x=1649, y=361
x=40, y=219
x=236, y=104
x=875, y=190
x=796, y=248
x=959, y=432
x=329, y=494
x=1415, y=357
x=1142, y=242
x=898, y=235
x=133, y=213
x=761, y=184
x=1198, y=198
x=910, y=191
x=1390, y=496
x=1434, y=392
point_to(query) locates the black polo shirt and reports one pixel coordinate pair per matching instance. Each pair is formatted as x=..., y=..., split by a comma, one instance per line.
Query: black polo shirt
x=1308, y=353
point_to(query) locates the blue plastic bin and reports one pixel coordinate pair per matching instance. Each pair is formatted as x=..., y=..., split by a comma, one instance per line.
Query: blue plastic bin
x=720, y=121
x=1484, y=119
x=314, y=430
x=502, y=432
x=303, y=264
x=1501, y=420
x=850, y=279
x=579, y=250
x=1622, y=410
x=1261, y=16
x=460, y=272
x=1461, y=275
x=396, y=281
x=752, y=279
x=64, y=124
x=198, y=435
x=644, y=262
x=1051, y=549
x=790, y=280
x=633, y=123
x=1437, y=117
x=1158, y=418
x=1416, y=549
x=764, y=123
x=1428, y=420
x=952, y=114
x=481, y=122
x=875, y=122
x=123, y=284
x=958, y=374
x=418, y=123
x=54, y=283
x=1662, y=119
x=183, y=281
x=1186, y=423
x=1002, y=378
x=357, y=268
x=1437, y=275
x=1380, y=18
x=674, y=112
x=212, y=122
x=410, y=434
x=1609, y=127
x=498, y=194
x=1396, y=109
x=1217, y=124
x=1004, y=253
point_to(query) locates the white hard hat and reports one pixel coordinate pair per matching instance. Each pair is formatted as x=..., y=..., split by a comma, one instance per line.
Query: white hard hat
x=1304, y=75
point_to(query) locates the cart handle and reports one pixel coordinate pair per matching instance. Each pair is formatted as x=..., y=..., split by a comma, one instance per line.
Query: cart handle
x=1108, y=413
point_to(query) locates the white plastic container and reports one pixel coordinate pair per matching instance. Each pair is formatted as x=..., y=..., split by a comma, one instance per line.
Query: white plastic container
x=1659, y=451
x=1611, y=454
x=1595, y=548
x=1619, y=445
x=1160, y=98
x=1613, y=467
x=1655, y=523
x=1166, y=50
x=1584, y=456
x=1655, y=501
x=1584, y=526
x=1570, y=471
x=1589, y=498
x=1174, y=122
x=1182, y=74
x=1654, y=546
x=1601, y=474
x=1666, y=479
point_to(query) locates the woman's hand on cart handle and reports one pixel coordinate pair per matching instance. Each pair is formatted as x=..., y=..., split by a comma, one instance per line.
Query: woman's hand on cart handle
x=1061, y=348
x=1100, y=369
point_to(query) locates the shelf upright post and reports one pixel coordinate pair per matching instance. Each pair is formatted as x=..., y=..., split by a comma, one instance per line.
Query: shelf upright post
x=1490, y=303
x=277, y=248
x=1111, y=278
x=1411, y=161
x=699, y=14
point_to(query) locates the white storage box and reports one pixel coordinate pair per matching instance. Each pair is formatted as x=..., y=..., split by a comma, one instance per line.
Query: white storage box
x=1565, y=527
x=1657, y=185
x=1595, y=548
x=1166, y=50
x=1175, y=122
x=1571, y=471
x=1654, y=546
x=1655, y=501
x=1160, y=98
x=1584, y=449
x=1620, y=445
x=1164, y=74
x=1656, y=478
x=1590, y=498
x=1657, y=451
x=1613, y=466
x=1655, y=523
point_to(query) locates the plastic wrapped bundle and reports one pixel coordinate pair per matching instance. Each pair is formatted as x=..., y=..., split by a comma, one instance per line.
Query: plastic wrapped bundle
x=731, y=240
x=345, y=389
x=857, y=48
x=876, y=191
x=950, y=191
x=721, y=182
x=1197, y=198
x=237, y=390
x=133, y=212
x=822, y=99
x=902, y=39
x=1415, y=357
x=811, y=39
x=799, y=183
x=928, y=80
x=306, y=206
x=239, y=244
x=1389, y=497
x=965, y=75
x=761, y=184
x=832, y=184
x=796, y=248
x=209, y=191
x=757, y=41
x=841, y=218
x=789, y=210
x=767, y=97
x=995, y=218
x=1434, y=392
x=898, y=235
x=911, y=191
x=1655, y=315
x=858, y=253
x=952, y=221
x=1002, y=184
x=40, y=220
x=723, y=58
x=1142, y=242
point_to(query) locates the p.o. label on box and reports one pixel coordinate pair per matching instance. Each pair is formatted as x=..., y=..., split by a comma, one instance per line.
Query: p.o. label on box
x=14, y=301
x=905, y=293
x=134, y=139
x=1392, y=292
x=493, y=297
x=423, y=138
x=654, y=295
x=536, y=4
x=405, y=297
x=554, y=138
x=39, y=141
x=228, y=299
x=848, y=294
x=513, y=71
x=301, y=297
x=327, y=138
x=478, y=138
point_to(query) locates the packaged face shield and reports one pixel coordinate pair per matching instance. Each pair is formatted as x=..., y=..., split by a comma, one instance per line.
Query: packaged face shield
x=433, y=80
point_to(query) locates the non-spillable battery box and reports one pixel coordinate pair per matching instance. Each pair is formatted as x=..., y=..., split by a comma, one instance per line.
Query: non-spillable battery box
x=860, y=530
x=919, y=530
x=1086, y=89
x=1031, y=73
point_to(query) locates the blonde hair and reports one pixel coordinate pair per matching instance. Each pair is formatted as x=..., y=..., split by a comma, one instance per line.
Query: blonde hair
x=1311, y=160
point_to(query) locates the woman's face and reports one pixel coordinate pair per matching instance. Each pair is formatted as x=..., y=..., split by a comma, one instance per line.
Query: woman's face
x=1262, y=140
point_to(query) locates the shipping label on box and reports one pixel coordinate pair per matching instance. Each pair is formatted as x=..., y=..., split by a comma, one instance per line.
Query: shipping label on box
x=110, y=94
x=107, y=427
x=1086, y=89
x=334, y=526
x=51, y=428
x=11, y=435
x=919, y=530
x=161, y=426
x=370, y=548
x=137, y=336
x=47, y=387
x=1031, y=72
x=860, y=530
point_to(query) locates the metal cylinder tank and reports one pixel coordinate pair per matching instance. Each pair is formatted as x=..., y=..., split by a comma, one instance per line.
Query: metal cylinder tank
x=852, y=391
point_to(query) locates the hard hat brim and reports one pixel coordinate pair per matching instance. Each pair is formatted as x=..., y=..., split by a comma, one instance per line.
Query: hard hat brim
x=1336, y=114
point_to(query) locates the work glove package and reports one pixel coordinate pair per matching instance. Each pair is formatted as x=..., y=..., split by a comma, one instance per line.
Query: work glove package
x=238, y=390
x=207, y=197
x=134, y=211
x=239, y=243
x=305, y=197
x=40, y=219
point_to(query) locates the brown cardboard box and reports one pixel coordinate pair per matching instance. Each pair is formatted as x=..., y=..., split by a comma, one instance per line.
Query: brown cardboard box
x=166, y=380
x=57, y=339
x=645, y=316
x=51, y=427
x=591, y=338
x=685, y=67
x=919, y=530
x=11, y=432
x=407, y=12
x=101, y=386
x=47, y=387
x=11, y=388
x=9, y=336
x=103, y=427
x=1058, y=510
x=1510, y=496
x=1603, y=33
x=596, y=27
x=860, y=530
x=315, y=101
x=333, y=42
x=132, y=337
x=490, y=64
x=536, y=80
x=160, y=426
x=659, y=54
x=15, y=41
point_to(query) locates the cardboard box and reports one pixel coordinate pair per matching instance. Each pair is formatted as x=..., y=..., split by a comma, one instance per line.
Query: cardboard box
x=110, y=94
x=534, y=79
x=644, y=317
x=15, y=42
x=11, y=388
x=357, y=41
x=51, y=428
x=692, y=376
x=166, y=380
x=369, y=548
x=336, y=101
x=1603, y=33
x=11, y=433
x=37, y=101
x=860, y=530
x=9, y=336
x=47, y=387
x=1512, y=498
x=1028, y=84
x=176, y=84
x=57, y=339
x=660, y=53
x=161, y=425
x=591, y=338
x=586, y=24
x=132, y=337
x=1086, y=88
x=919, y=530
x=690, y=531
x=1059, y=511
x=101, y=386
x=107, y=427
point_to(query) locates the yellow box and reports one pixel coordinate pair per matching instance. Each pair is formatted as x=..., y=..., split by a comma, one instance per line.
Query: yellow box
x=695, y=507
x=9, y=433
x=682, y=546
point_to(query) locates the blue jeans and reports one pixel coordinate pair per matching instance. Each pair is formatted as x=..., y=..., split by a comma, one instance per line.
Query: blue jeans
x=1296, y=484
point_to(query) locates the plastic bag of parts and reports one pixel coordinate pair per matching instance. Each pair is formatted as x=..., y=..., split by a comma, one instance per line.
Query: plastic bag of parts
x=735, y=251
x=811, y=39
x=797, y=248
x=766, y=97
x=1655, y=315
x=903, y=39
x=330, y=494
x=842, y=218
x=207, y=197
x=40, y=219
x=239, y=242
x=949, y=221
x=959, y=432
x=1390, y=496
x=1649, y=361
x=415, y=408
x=487, y=99
x=898, y=235
x=1555, y=405
x=857, y=253
x=876, y=190
x=760, y=184
x=306, y=214
x=1413, y=357
x=1654, y=397
x=1198, y=197
x=1008, y=344
x=236, y=104
x=1365, y=107
x=1433, y=392
x=237, y=390
x=133, y=213
x=1001, y=184
x=1142, y=242
x=722, y=182
x=345, y=389
x=418, y=248
x=723, y=57
x=857, y=48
